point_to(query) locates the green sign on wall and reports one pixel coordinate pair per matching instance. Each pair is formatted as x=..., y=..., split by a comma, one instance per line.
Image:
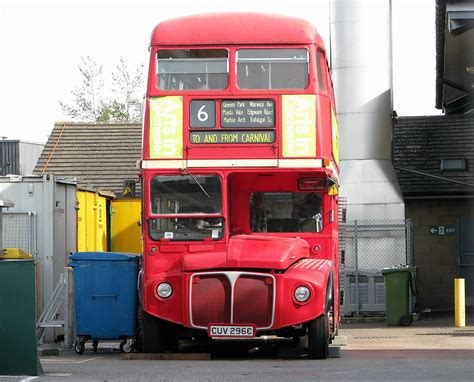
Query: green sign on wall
x=442, y=230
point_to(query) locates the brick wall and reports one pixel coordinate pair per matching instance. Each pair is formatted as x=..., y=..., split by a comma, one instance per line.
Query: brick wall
x=436, y=256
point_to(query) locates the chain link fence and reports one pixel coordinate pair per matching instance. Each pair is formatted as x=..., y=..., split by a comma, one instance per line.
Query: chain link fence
x=367, y=247
x=19, y=230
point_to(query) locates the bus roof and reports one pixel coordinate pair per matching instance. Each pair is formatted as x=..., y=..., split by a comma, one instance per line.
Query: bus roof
x=235, y=28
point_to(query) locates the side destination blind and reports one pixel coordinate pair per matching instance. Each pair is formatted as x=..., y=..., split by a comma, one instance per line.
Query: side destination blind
x=166, y=127
x=299, y=125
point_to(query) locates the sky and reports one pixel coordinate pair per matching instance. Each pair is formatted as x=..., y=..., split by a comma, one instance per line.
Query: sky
x=42, y=42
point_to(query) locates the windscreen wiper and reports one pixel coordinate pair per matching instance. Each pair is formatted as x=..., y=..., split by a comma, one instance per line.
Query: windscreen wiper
x=199, y=184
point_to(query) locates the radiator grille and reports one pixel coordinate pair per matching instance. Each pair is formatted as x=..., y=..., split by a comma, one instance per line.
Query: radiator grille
x=210, y=299
x=232, y=298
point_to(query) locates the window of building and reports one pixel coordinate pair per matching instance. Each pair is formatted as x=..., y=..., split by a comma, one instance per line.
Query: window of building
x=453, y=164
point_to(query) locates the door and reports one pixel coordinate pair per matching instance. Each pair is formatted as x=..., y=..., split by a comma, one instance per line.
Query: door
x=466, y=256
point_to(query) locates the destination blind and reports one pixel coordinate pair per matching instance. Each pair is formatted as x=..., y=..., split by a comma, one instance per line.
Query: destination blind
x=258, y=113
x=232, y=137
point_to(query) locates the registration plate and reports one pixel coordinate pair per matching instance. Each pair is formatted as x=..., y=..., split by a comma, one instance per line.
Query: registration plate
x=231, y=331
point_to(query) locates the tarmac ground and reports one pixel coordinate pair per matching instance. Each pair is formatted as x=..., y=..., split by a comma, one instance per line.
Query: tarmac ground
x=430, y=349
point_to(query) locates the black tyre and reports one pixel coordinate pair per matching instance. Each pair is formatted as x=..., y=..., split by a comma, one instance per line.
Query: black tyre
x=318, y=338
x=79, y=346
x=125, y=348
x=95, y=345
x=158, y=336
x=406, y=320
x=152, y=334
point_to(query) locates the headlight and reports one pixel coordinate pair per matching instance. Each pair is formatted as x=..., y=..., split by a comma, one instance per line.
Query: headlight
x=164, y=290
x=302, y=294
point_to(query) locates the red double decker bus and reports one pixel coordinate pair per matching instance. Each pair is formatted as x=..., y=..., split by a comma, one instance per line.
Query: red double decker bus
x=239, y=171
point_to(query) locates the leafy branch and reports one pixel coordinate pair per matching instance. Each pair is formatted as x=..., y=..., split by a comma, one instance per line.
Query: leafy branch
x=92, y=103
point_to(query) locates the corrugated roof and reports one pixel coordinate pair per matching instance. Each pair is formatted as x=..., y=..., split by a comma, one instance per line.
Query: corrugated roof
x=100, y=156
x=419, y=143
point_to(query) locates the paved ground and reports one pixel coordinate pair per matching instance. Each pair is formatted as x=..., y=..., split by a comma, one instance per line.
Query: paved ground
x=431, y=331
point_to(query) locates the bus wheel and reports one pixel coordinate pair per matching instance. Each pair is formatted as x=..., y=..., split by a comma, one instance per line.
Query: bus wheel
x=153, y=334
x=318, y=338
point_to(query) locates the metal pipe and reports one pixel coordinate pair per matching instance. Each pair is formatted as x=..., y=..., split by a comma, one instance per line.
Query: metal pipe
x=425, y=174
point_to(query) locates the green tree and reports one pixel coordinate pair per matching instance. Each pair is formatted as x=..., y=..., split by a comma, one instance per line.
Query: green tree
x=91, y=102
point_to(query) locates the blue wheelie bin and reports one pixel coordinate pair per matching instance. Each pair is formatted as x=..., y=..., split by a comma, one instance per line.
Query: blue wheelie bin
x=105, y=288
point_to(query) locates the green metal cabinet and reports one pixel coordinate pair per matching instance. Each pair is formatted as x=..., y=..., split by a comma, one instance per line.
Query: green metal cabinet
x=18, y=350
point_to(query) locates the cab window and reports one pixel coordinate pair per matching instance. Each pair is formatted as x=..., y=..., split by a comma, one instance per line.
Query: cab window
x=188, y=208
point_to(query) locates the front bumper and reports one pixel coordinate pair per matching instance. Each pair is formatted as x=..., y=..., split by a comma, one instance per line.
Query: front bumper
x=263, y=299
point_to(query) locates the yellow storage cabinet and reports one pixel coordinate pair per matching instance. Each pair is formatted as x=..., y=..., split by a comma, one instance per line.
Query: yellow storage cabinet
x=91, y=222
x=125, y=226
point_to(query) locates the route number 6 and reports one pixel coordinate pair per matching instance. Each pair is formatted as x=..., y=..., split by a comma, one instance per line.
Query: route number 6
x=202, y=115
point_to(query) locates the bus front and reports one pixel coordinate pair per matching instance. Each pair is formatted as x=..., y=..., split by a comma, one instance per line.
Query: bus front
x=239, y=175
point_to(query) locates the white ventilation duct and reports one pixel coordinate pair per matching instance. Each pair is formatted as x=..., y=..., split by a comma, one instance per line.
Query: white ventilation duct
x=362, y=73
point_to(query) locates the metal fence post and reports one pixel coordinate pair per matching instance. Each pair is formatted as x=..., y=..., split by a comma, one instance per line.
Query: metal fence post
x=67, y=339
x=409, y=242
x=356, y=270
x=70, y=331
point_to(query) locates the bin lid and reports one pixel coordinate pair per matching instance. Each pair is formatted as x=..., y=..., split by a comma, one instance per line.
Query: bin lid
x=14, y=253
x=104, y=256
x=396, y=269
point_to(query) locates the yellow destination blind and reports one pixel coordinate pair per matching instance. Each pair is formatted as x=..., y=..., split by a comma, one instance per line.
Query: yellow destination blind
x=229, y=137
x=166, y=127
x=299, y=125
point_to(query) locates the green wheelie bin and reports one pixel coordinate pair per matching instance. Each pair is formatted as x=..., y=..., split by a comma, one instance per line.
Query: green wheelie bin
x=400, y=287
x=18, y=350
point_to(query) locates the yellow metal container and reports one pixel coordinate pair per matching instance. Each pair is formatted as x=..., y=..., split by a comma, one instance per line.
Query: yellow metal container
x=91, y=222
x=125, y=228
x=15, y=253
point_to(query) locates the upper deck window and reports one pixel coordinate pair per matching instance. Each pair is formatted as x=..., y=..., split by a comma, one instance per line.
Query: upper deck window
x=272, y=68
x=192, y=69
x=321, y=68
